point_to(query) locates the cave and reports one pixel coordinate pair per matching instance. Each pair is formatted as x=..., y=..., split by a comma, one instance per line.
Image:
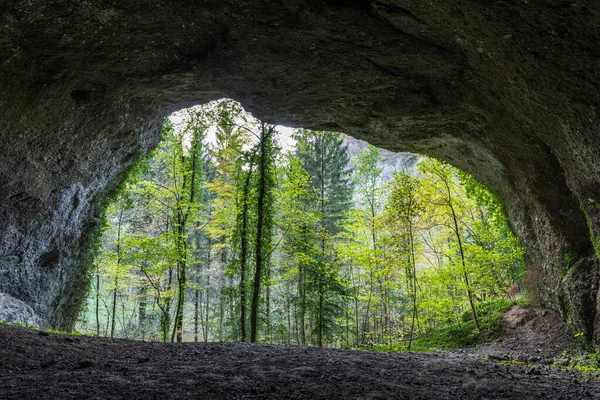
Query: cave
x=506, y=90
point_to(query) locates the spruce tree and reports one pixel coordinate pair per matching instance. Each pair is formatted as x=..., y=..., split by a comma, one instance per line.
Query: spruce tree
x=325, y=157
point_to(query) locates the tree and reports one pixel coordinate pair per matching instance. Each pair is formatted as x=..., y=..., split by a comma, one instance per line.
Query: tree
x=228, y=235
x=367, y=183
x=325, y=158
x=443, y=195
x=404, y=209
x=264, y=215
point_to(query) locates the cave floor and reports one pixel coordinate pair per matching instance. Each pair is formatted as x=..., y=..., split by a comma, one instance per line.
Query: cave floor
x=41, y=366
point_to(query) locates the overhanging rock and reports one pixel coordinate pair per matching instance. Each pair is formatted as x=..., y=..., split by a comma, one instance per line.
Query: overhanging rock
x=506, y=90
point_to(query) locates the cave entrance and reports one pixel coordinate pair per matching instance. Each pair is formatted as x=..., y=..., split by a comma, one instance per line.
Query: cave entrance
x=236, y=230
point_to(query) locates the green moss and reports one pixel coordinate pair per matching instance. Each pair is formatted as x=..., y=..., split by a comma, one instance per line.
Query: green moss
x=386, y=348
x=511, y=362
x=50, y=330
x=99, y=225
x=595, y=240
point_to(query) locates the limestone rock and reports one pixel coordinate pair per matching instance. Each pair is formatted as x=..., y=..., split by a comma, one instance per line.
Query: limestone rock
x=15, y=311
x=506, y=90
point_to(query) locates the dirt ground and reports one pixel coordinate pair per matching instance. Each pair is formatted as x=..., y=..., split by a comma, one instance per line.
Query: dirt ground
x=40, y=366
x=532, y=335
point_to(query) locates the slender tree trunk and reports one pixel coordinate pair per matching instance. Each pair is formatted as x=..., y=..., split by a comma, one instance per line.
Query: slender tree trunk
x=243, y=255
x=302, y=304
x=264, y=133
x=207, y=308
x=414, y=281
x=268, y=302
x=347, y=328
x=98, y=299
x=208, y=263
x=461, y=251
x=142, y=311
x=221, y=317
x=322, y=194
x=387, y=317
x=366, y=322
x=181, y=277
x=196, y=299
x=464, y=266
x=320, y=323
x=289, y=321
x=356, y=311
x=114, y=308
x=166, y=323
x=375, y=263
x=123, y=322
x=182, y=216
x=296, y=328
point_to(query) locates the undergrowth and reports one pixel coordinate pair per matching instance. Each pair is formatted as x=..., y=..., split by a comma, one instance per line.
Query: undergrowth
x=48, y=330
x=464, y=334
x=585, y=362
x=461, y=334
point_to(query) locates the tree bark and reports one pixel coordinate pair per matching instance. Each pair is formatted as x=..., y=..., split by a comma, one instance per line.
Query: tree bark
x=244, y=254
x=114, y=307
x=98, y=298
x=264, y=134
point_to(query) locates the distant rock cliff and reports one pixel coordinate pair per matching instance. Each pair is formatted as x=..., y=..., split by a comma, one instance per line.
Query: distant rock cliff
x=391, y=162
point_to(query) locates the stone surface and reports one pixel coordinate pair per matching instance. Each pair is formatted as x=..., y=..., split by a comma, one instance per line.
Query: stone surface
x=507, y=90
x=15, y=311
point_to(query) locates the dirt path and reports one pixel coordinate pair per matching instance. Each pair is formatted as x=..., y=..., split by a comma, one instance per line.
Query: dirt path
x=36, y=366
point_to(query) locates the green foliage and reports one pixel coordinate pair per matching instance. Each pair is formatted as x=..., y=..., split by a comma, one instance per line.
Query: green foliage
x=348, y=260
x=49, y=330
x=464, y=334
x=584, y=362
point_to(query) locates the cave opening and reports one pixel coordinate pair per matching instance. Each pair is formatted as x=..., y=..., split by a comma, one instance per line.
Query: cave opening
x=505, y=91
x=360, y=247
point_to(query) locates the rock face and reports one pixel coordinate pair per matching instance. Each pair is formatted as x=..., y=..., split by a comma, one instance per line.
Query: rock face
x=507, y=90
x=390, y=161
x=15, y=311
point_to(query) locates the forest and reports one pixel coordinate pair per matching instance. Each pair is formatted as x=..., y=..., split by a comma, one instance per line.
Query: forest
x=231, y=230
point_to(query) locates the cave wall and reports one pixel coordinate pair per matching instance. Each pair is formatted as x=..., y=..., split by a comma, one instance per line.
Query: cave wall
x=504, y=89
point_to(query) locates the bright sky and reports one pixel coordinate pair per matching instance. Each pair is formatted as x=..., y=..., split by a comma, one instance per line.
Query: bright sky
x=284, y=138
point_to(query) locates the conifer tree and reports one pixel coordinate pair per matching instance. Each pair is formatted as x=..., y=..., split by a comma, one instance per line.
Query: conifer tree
x=325, y=157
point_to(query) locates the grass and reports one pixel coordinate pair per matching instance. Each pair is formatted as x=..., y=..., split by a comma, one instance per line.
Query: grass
x=386, y=348
x=581, y=361
x=49, y=330
x=464, y=334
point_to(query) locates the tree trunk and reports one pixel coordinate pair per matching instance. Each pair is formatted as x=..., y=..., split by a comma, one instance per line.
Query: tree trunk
x=181, y=277
x=114, y=308
x=244, y=255
x=322, y=194
x=264, y=133
x=464, y=265
x=166, y=320
x=98, y=299
x=142, y=311
x=268, y=302
x=196, y=296
x=414, y=281
x=302, y=293
x=207, y=308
